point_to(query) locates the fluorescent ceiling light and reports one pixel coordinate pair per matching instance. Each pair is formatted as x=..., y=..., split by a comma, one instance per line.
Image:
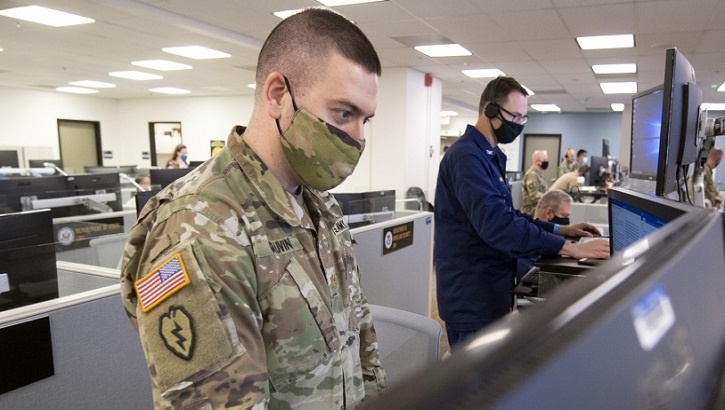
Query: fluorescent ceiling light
x=196, y=52
x=170, y=90
x=43, y=15
x=483, y=73
x=286, y=13
x=712, y=106
x=161, y=65
x=614, y=68
x=603, y=42
x=335, y=3
x=546, y=107
x=136, y=75
x=92, y=84
x=528, y=90
x=252, y=85
x=76, y=90
x=721, y=88
x=443, y=50
x=448, y=113
x=627, y=87
x=617, y=107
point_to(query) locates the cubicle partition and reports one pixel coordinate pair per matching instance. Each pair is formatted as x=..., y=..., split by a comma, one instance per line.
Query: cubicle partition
x=396, y=261
x=96, y=360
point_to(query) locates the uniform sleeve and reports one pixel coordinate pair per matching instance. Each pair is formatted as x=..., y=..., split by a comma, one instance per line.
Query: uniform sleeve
x=195, y=307
x=496, y=223
x=373, y=372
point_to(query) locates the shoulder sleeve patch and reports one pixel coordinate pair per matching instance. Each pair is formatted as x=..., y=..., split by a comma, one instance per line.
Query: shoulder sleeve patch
x=162, y=282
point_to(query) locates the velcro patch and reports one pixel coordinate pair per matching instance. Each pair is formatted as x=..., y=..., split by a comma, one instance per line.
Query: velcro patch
x=162, y=282
x=178, y=331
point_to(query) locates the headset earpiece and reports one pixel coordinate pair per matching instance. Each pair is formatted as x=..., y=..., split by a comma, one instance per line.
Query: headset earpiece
x=492, y=110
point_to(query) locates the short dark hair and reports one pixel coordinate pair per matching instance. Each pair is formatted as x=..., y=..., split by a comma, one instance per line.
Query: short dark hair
x=580, y=152
x=297, y=45
x=502, y=86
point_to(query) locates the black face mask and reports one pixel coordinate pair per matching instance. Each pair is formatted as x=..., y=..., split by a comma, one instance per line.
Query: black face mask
x=560, y=221
x=508, y=131
x=544, y=164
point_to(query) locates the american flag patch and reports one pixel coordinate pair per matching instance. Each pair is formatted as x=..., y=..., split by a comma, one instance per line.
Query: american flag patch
x=161, y=283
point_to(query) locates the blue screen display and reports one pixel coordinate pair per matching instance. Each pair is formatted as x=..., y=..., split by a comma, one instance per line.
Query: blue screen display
x=646, y=127
x=630, y=224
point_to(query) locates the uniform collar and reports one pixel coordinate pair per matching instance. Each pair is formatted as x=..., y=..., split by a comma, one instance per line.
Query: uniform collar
x=269, y=189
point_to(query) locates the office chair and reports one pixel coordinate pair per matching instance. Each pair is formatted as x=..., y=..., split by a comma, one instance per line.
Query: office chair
x=407, y=341
x=415, y=192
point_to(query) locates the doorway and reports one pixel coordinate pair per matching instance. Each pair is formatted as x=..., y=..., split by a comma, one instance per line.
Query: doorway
x=80, y=144
x=551, y=143
x=163, y=138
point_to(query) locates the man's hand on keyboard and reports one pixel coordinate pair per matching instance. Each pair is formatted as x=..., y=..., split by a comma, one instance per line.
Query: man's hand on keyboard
x=596, y=248
x=578, y=230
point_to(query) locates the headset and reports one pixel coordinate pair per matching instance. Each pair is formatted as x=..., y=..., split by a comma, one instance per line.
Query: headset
x=492, y=110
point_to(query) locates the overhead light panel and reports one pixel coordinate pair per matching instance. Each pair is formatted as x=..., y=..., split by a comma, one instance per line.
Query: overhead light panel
x=606, y=42
x=528, y=90
x=443, y=50
x=627, y=87
x=46, y=16
x=546, y=107
x=617, y=107
x=614, y=68
x=721, y=88
x=286, y=13
x=76, y=90
x=335, y=3
x=448, y=113
x=252, y=85
x=162, y=65
x=196, y=52
x=483, y=73
x=136, y=75
x=92, y=84
x=170, y=90
x=712, y=106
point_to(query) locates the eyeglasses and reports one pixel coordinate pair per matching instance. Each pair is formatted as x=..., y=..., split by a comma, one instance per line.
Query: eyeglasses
x=517, y=118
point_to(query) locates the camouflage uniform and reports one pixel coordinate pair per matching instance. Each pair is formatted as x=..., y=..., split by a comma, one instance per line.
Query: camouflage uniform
x=267, y=311
x=533, y=188
x=711, y=193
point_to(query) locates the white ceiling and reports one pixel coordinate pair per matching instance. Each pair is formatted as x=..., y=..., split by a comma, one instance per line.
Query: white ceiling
x=531, y=40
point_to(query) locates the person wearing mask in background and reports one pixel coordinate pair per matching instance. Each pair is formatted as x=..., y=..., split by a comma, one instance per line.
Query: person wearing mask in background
x=534, y=184
x=566, y=163
x=478, y=234
x=178, y=158
x=571, y=179
x=142, y=180
x=581, y=159
x=711, y=192
x=264, y=306
x=555, y=207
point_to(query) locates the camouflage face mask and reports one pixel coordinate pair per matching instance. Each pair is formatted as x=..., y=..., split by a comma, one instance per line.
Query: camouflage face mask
x=322, y=155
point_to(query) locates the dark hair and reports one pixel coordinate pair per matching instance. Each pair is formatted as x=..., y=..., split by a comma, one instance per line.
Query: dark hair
x=500, y=87
x=298, y=45
x=580, y=152
x=177, y=149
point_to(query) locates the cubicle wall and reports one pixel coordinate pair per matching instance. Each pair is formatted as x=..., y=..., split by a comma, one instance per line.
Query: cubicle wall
x=97, y=358
x=401, y=277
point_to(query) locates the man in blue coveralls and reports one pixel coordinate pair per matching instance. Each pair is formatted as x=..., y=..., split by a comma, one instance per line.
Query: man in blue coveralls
x=478, y=234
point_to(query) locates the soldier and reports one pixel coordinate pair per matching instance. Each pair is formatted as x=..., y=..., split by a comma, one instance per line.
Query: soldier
x=711, y=192
x=534, y=185
x=566, y=163
x=241, y=277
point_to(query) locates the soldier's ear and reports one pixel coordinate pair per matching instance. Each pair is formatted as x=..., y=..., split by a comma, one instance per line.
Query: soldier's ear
x=274, y=92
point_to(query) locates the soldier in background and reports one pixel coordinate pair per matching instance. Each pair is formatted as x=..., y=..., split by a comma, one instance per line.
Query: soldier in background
x=241, y=277
x=711, y=192
x=534, y=185
x=567, y=163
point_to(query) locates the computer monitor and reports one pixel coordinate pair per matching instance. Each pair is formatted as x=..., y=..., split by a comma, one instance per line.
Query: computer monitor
x=9, y=159
x=640, y=331
x=40, y=163
x=646, y=130
x=605, y=148
x=598, y=171
x=350, y=203
x=634, y=215
x=678, y=135
x=163, y=177
x=379, y=201
x=194, y=164
x=92, y=184
x=27, y=259
x=16, y=193
x=142, y=197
